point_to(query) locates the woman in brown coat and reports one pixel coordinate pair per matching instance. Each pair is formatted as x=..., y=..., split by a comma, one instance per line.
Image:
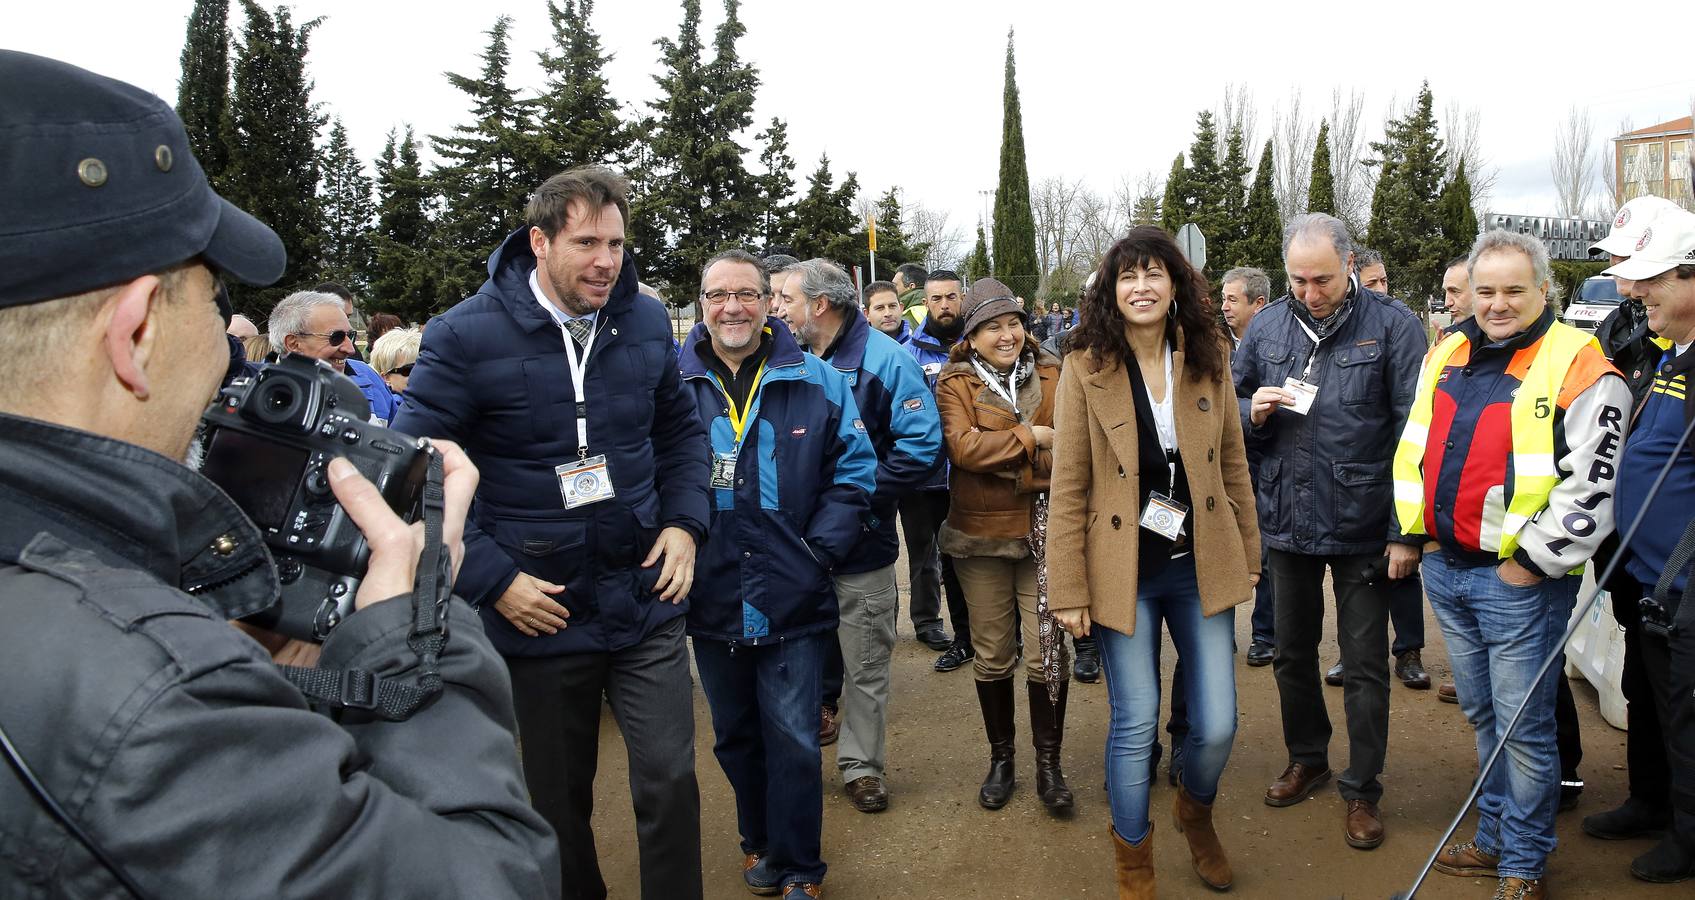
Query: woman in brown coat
x=1152, y=521
x=996, y=395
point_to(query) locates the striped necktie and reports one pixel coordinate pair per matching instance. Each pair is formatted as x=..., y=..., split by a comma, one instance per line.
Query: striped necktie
x=580, y=330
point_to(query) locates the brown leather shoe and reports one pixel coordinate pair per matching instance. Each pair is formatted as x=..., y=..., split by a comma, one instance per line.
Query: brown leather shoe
x=1295, y=784
x=1194, y=821
x=1134, y=864
x=1447, y=693
x=1466, y=861
x=1364, y=829
x=829, y=726
x=868, y=794
x=1519, y=889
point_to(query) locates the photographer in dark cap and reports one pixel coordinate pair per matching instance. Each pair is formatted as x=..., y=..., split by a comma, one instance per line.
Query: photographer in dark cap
x=152, y=749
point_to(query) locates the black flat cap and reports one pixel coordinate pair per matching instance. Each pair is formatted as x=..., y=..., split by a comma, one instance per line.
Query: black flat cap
x=98, y=186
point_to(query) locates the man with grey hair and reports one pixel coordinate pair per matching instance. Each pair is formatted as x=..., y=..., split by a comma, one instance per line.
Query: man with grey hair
x=1507, y=466
x=1373, y=274
x=314, y=323
x=1328, y=374
x=900, y=415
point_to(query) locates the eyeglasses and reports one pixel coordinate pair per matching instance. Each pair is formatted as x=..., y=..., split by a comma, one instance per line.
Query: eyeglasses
x=403, y=371
x=719, y=298
x=336, y=338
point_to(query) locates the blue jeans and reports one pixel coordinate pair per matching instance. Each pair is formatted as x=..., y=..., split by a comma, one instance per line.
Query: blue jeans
x=1206, y=645
x=1498, y=635
x=764, y=702
x=1264, y=616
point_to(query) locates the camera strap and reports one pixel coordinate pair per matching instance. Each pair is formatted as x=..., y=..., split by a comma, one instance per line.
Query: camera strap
x=1677, y=563
x=384, y=697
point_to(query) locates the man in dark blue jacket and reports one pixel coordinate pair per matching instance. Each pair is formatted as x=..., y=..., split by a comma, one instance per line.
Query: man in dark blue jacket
x=922, y=513
x=1329, y=372
x=561, y=382
x=793, y=471
x=899, y=411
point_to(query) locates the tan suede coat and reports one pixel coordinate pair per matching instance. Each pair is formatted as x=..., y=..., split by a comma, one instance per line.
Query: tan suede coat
x=986, y=442
x=1094, y=496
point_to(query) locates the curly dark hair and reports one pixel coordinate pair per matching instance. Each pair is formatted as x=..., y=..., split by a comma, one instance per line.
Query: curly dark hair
x=1101, y=327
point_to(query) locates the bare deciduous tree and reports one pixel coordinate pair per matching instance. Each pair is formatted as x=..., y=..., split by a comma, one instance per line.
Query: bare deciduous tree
x=1054, y=202
x=1353, y=179
x=1609, y=167
x=924, y=225
x=1573, y=166
x=1296, y=137
x=1238, y=111
x=1464, y=140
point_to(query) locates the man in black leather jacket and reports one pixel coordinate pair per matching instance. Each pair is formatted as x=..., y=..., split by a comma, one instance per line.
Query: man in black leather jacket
x=172, y=738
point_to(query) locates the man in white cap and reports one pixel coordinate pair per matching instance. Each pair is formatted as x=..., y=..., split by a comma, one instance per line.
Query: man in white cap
x=1661, y=274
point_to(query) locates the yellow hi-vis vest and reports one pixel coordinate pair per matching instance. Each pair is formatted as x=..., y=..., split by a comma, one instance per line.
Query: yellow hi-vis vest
x=1534, y=473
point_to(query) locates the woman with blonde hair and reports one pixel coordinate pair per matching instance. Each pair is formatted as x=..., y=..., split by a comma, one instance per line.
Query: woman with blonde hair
x=1152, y=505
x=393, y=355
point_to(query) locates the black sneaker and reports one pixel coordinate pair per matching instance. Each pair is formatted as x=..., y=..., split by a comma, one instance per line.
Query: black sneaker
x=955, y=656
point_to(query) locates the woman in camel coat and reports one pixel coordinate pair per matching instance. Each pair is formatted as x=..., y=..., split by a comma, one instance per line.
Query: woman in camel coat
x=1152, y=521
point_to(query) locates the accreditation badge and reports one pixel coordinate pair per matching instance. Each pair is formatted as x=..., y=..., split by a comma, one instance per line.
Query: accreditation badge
x=724, y=471
x=584, y=482
x=1304, y=392
x=1164, y=516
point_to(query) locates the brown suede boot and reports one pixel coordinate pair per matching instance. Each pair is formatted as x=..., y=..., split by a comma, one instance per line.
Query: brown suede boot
x=1194, y=821
x=1135, y=863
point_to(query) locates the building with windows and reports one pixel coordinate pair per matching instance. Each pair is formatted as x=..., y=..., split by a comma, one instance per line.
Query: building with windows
x=1655, y=161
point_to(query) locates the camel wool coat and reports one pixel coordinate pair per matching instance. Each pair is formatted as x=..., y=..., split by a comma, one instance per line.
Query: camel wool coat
x=1095, y=494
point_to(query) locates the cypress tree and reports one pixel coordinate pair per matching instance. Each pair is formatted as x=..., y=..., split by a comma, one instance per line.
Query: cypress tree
x=1174, y=209
x=203, y=91
x=345, y=198
x=1456, y=220
x=776, y=184
x=1015, y=261
x=977, y=264
x=1321, y=194
x=403, y=278
x=484, y=177
x=1262, y=239
x=273, y=165
x=577, y=121
x=825, y=223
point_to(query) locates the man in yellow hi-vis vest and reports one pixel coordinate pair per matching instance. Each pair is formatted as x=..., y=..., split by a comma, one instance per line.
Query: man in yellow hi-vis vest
x=1508, y=464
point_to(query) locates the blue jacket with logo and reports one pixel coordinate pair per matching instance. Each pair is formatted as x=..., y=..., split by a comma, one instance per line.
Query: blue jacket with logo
x=804, y=476
x=932, y=354
x=375, y=389
x=492, y=375
x=900, y=414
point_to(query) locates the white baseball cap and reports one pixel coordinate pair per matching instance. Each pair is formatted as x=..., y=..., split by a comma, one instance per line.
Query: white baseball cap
x=1666, y=244
x=1629, y=223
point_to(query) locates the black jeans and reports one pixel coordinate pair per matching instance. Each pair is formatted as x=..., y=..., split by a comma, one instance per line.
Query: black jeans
x=1406, y=611
x=1645, y=742
x=1669, y=663
x=931, y=571
x=1362, y=615
x=558, y=701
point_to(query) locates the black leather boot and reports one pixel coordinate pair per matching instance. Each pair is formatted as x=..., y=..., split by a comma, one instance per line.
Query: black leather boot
x=1047, y=733
x=996, y=699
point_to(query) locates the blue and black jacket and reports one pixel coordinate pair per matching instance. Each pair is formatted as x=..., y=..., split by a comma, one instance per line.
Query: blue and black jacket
x=492, y=375
x=931, y=353
x=899, y=412
x=804, y=476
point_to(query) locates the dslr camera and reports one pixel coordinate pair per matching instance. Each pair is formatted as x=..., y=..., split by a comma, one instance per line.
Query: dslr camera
x=268, y=442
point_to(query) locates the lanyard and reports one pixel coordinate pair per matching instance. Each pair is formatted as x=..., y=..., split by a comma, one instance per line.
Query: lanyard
x=1316, y=341
x=740, y=417
x=579, y=374
x=1009, y=392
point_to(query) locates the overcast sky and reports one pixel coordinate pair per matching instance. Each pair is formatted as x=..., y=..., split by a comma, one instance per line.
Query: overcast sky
x=1109, y=90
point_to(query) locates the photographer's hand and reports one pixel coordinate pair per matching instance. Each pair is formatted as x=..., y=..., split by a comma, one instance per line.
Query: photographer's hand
x=395, y=545
x=676, y=546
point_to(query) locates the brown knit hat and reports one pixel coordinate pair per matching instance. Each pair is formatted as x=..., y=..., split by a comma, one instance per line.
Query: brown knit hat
x=987, y=299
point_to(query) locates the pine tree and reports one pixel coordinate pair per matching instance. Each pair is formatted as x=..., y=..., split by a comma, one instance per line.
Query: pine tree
x=1146, y=208
x=1455, y=217
x=1321, y=193
x=577, y=121
x=1404, y=220
x=1015, y=261
x=977, y=264
x=776, y=184
x=825, y=223
x=1262, y=240
x=893, y=245
x=1174, y=209
x=344, y=194
x=732, y=193
x=1233, y=182
x=1204, y=188
x=484, y=177
x=203, y=91
x=273, y=165
x=404, y=274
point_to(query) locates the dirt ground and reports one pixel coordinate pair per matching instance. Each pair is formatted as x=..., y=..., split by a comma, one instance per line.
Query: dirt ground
x=936, y=842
